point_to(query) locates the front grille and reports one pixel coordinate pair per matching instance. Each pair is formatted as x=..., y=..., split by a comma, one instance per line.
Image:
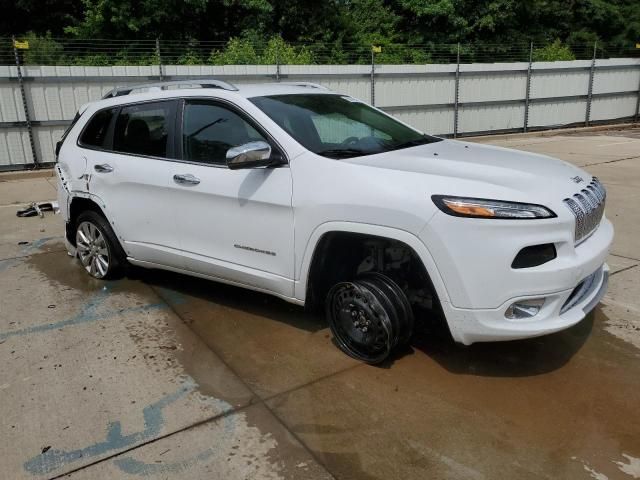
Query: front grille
x=587, y=206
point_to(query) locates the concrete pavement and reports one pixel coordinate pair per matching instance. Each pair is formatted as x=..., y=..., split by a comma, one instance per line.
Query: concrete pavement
x=165, y=376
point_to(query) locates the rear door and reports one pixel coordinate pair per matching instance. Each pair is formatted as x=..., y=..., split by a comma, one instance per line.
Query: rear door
x=236, y=225
x=130, y=169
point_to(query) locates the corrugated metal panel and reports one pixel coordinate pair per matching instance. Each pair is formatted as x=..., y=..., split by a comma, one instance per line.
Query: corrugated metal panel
x=490, y=117
x=546, y=83
x=398, y=91
x=46, y=138
x=10, y=103
x=616, y=107
x=14, y=147
x=616, y=80
x=432, y=121
x=558, y=113
x=424, y=93
x=485, y=86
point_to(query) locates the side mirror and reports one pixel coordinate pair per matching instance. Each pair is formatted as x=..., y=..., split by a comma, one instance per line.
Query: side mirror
x=249, y=155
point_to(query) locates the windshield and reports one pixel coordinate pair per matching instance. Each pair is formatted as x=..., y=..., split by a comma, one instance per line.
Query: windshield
x=338, y=126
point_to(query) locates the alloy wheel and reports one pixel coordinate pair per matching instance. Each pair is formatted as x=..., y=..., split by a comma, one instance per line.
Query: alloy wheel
x=92, y=249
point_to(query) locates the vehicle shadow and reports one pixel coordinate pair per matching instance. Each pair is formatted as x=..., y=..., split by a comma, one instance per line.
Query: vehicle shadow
x=176, y=288
x=516, y=358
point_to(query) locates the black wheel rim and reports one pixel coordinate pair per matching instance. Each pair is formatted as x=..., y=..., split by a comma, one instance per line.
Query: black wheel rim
x=388, y=306
x=359, y=322
x=400, y=301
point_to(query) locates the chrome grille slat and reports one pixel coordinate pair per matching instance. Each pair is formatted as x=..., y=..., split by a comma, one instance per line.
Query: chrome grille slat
x=587, y=207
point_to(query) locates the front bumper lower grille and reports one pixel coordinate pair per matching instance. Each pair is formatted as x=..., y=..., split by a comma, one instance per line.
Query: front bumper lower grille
x=584, y=288
x=587, y=207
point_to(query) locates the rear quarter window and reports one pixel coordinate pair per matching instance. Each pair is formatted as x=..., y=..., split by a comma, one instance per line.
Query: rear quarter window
x=95, y=133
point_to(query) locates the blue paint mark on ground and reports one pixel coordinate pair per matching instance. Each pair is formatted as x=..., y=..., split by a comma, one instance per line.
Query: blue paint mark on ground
x=5, y=264
x=136, y=467
x=88, y=314
x=153, y=422
x=132, y=466
x=37, y=244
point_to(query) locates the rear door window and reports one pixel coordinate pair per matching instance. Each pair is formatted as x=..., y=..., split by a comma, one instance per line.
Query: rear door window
x=145, y=129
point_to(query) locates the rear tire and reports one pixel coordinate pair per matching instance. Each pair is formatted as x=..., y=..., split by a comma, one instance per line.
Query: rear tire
x=97, y=247
x=369, y=317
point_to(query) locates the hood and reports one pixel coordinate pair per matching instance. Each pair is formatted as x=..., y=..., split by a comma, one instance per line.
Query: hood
x=515, y=170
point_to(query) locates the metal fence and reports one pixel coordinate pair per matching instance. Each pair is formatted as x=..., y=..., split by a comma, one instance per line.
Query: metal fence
x=454, y=98
x=47, y=50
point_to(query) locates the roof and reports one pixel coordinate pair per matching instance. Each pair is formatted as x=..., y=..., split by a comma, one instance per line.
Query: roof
x=201, y=87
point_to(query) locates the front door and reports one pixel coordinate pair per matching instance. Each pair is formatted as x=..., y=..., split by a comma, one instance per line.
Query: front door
x=235, y=225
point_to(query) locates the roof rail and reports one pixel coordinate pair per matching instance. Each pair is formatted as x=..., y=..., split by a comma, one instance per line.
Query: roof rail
x=203, y=83
x=306, y=84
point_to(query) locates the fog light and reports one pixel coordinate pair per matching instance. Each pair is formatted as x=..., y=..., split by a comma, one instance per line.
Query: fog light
x=524, y=308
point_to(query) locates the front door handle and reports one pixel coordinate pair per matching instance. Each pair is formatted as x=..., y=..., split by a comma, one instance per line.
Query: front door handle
x=186, y=179
x=104, y=168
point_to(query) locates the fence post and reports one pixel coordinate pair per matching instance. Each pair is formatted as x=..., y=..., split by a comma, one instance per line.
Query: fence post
x=24, y=102
x=160, y=73
x=456, y=95
x=373, y=77
x=592, y=72
x=528, y=90
x=278, y=62
x=635, y=117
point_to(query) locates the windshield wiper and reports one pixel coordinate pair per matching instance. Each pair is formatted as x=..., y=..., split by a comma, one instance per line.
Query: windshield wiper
x=342, y=152
x=415, y=143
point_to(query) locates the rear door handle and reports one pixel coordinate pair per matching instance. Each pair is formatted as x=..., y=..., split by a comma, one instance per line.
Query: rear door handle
x=104, y=168
x=186, y=179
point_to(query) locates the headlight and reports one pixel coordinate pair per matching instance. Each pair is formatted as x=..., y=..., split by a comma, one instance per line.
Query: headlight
x=485, y=208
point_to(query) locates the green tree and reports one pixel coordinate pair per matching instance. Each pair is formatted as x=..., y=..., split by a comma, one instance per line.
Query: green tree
x=553, y=52
x=238, y=51
x=338, y=31
x=42, y=50
x=242, y=51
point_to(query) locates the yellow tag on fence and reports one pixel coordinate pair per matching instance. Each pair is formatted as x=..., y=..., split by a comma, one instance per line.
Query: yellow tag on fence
x=21, y=45
x=376, y=48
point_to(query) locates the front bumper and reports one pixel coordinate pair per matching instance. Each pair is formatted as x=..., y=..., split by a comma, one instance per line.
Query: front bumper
x=474, y=264
x=561, y=310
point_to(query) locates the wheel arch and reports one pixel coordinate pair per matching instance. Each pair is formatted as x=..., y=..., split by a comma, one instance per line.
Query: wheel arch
x=77, y=205
x=319, y=246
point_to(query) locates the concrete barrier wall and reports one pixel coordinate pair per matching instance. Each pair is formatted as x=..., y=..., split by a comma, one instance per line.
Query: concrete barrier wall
x=490, y=97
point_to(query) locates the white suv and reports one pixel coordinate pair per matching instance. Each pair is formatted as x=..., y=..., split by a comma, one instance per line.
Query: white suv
x=321, y=199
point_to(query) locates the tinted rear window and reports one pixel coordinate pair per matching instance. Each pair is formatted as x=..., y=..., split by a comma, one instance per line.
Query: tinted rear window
x=95, y=133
